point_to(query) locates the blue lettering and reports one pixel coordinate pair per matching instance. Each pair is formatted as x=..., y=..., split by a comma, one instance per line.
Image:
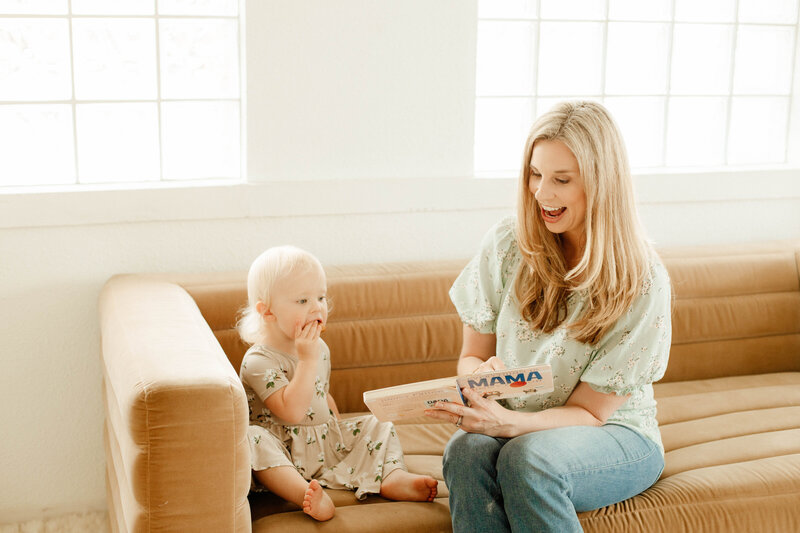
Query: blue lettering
x=511, y=379
x=535, y=375
x=496, y=380
x=482, y=383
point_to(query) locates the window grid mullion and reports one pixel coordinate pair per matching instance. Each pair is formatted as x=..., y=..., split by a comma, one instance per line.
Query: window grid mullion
x=668, y=88
x=73, y=100
x=792, y=88
x=731, y=77
x=605, y=54
x=535, y=66
x=159, y=101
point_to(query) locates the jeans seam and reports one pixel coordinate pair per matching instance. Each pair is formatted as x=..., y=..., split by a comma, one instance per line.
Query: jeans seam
x=653, y=449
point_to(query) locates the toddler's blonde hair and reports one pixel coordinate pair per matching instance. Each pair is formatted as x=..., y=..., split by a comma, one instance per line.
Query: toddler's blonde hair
x=265, y=273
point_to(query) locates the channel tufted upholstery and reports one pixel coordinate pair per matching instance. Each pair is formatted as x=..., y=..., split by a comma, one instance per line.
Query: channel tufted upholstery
x=729, y=405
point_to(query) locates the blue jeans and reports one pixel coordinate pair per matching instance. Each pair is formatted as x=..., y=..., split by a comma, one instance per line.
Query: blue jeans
x=538, y=481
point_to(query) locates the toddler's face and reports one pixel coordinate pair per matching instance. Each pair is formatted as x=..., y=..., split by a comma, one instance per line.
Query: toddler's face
x=300, y=298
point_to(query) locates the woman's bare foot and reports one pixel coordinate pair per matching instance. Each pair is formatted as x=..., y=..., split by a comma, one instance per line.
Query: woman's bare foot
x=316, y=503
x=400, y=485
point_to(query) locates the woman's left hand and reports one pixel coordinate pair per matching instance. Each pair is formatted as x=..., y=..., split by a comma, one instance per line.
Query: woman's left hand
x=483, y=416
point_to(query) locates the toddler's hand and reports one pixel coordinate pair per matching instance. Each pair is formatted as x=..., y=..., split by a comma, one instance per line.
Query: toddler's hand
x=306, y=340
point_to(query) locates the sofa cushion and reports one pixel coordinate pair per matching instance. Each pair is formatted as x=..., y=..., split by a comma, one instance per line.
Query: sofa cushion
x=732, y=456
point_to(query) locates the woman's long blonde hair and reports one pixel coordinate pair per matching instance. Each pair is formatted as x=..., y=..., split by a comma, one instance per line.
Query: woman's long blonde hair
x=615, y=260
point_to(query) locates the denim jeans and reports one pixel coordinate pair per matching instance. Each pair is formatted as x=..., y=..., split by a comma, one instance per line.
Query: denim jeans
x=538, y=481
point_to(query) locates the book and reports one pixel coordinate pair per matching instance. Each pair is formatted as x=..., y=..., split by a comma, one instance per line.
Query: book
x=412, y=399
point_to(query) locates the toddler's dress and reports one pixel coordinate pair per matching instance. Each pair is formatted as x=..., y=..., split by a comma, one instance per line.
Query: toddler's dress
x=352, y=453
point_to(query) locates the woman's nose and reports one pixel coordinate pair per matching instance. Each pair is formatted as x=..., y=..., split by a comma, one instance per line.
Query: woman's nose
x=541, y=191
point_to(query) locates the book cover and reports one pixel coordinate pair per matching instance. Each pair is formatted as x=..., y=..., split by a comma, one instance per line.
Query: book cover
x=411, y=400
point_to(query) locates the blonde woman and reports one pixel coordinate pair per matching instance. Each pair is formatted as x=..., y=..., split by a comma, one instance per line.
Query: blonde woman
x=571, y=282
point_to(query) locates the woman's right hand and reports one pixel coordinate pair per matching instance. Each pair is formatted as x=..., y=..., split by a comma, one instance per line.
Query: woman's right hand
x=490, y=365
x=306, y=341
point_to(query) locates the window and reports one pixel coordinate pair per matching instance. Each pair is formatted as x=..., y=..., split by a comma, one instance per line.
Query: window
x=123, y=91
x=691, y=83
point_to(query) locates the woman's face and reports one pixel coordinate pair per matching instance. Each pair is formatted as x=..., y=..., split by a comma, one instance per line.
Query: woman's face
x=556, y=183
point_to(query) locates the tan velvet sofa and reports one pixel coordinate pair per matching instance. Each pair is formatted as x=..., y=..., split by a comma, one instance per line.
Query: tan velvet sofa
x=177, y=459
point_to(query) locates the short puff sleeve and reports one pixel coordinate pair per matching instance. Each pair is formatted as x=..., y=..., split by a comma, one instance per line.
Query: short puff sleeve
x=635, y=352
x=478, y=291
x=264, y=374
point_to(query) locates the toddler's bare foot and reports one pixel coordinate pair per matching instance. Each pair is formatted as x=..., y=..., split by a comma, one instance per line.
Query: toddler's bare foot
x=400, y=485
x=316, y=503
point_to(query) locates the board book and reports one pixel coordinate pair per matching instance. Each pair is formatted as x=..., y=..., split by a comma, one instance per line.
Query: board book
x=412, y=399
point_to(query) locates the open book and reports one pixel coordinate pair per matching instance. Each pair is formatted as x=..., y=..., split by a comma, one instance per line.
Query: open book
x=411, y=400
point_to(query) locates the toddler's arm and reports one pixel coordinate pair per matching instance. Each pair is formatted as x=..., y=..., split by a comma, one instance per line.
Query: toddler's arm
x=292, y=401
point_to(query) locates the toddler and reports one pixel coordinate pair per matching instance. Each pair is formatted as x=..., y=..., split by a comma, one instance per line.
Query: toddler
x=298, y=443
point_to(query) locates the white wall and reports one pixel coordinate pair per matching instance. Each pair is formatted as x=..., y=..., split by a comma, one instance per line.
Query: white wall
x=409, y=65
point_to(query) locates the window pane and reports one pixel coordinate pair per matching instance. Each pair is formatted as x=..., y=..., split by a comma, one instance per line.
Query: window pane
x=117, y=7
x=763, y=60
x=501, y=126
x=701, y=59
x=114, y=59
x=705, y=11
x=199, y=7
x=641, y=120
x=639, y=10
x=639, y=69
x=33, y=7
x=505, y=58
x=780, y=11
x=506, y=8
x=117, y=142
x=570, y=58
x=758, y=130
x=199, y=59
x=201, y=140
x=696, y=131
x=34, y=60
x=573, y=9
x=36, y=145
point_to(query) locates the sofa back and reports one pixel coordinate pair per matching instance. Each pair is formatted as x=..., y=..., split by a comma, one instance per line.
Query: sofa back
x=736, y=312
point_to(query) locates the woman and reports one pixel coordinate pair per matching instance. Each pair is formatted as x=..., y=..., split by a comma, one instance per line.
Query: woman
x=570, y=282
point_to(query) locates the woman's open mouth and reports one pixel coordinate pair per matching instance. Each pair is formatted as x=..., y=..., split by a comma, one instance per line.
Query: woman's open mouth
x=552, y=214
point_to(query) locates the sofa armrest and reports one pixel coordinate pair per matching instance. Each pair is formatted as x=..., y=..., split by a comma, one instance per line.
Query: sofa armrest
x=176, y=414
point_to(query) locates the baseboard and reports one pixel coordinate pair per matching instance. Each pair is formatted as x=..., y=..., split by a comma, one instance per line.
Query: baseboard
x=93, y=522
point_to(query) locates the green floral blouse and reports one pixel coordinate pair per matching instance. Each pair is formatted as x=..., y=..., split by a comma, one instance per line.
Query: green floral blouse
x=627, y=360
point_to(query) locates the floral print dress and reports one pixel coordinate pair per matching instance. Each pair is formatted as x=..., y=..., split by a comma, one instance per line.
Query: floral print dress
x=627, y=360
x=352, y=453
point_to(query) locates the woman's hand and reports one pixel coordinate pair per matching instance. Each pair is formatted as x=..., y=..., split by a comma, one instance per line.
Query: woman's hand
x=306, y=341
x=490, y=365
x=483, y=416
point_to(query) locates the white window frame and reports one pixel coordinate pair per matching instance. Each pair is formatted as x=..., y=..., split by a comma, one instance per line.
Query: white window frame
x=791, y=160
x=159, y=100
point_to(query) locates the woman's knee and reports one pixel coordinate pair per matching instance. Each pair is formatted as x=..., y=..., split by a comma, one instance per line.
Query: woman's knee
x=470, y=449
x=524, y=454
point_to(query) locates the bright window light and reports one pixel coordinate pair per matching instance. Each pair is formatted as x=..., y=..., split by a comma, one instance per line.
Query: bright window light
x=691, y=83
x=123, y=91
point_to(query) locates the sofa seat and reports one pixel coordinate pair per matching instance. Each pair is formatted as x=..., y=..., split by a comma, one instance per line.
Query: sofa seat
x=738, y=435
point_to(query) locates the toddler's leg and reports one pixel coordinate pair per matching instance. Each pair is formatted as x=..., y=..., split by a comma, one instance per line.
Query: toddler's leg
x=403, y=486
x=287, y=483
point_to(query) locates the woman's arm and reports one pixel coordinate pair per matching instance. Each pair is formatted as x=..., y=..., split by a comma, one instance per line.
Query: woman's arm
x=584, y=407
x=477, y=352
